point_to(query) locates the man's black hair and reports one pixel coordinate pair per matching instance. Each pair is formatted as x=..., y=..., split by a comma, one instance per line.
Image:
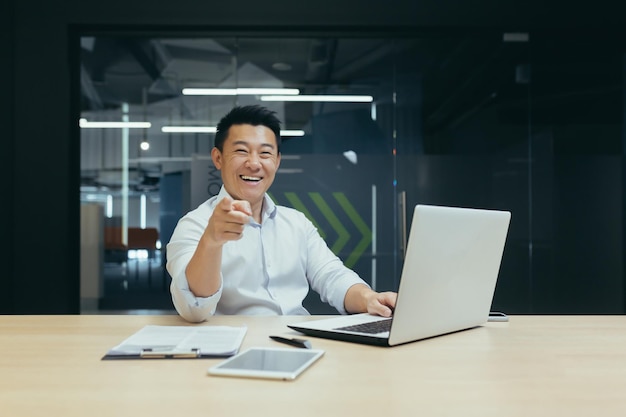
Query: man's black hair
x=247, y=115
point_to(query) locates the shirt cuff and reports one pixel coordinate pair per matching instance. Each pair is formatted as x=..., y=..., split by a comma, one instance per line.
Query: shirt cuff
x=189, y=306
x=341, y=290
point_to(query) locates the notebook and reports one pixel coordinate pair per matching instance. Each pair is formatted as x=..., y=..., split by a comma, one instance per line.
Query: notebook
x=447, y=284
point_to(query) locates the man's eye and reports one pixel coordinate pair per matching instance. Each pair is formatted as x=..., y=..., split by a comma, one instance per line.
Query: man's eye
x=241, y=151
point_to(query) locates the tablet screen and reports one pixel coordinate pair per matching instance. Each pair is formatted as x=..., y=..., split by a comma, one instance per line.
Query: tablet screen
x=263, y=362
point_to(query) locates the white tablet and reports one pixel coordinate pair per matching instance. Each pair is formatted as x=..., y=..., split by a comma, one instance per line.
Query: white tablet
x=267, y=362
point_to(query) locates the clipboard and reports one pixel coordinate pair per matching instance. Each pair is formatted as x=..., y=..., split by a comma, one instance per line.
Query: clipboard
x=180, y=342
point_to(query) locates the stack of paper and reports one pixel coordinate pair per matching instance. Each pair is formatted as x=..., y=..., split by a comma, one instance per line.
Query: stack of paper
x=180, y=342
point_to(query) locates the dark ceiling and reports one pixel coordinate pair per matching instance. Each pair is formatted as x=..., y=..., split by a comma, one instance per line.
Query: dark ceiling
x=565, y=79
x=458, y=73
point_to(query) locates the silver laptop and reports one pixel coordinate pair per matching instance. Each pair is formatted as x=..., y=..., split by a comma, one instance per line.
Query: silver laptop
x=448, y=280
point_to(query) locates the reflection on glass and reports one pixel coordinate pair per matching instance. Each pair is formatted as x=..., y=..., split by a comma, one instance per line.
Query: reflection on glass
x=441, y=119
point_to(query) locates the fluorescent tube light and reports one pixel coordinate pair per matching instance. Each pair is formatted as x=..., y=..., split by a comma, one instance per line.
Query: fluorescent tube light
x=260, y=91
x=83, y=123
x=321, y=98
x=189, y=129
x=213, y=129
x=292, y=133
x=238, y=91
x=209, y=91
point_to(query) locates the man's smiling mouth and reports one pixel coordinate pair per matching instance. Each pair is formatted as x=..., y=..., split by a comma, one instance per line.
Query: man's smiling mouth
x=247, y=178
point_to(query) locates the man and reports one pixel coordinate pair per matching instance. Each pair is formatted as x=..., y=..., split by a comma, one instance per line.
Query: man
x=239, y=253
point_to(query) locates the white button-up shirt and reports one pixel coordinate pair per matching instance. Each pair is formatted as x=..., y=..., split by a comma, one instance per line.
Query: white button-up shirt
x=266, y=272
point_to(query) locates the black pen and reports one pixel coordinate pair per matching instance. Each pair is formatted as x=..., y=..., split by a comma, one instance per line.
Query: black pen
x=301, y=343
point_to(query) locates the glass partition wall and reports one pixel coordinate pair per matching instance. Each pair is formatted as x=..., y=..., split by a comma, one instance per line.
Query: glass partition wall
x=371, y=127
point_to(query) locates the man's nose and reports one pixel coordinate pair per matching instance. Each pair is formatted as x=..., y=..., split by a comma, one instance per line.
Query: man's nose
x=254, y=161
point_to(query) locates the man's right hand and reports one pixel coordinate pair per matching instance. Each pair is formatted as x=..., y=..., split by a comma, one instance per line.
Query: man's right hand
x=227, y=223
x=228, y=220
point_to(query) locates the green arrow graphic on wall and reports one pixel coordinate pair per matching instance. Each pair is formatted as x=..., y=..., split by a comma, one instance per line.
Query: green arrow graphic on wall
x=343, y=235
x=366, y=233
x=327, y=212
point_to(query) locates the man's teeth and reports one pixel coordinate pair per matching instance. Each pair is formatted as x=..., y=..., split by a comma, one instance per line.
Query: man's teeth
x=246, y=178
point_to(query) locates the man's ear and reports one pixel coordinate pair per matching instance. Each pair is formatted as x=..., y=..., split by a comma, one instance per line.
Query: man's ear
x=216, y=156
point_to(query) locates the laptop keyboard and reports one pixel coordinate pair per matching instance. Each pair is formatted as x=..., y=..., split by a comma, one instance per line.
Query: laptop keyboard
x=371, y=327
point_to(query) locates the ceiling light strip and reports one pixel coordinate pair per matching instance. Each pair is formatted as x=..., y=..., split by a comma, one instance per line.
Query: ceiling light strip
x=189, y=129
x=238, y=91
x=292, y=133
x=83, y=123
x=213, y=129
x=321, y=98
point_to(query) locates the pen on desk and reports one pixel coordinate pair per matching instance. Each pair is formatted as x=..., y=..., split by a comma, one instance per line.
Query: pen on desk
x=301, y=343
x=497, y=316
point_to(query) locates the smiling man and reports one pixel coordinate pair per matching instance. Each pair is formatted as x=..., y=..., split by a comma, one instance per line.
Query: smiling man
x=239, y=253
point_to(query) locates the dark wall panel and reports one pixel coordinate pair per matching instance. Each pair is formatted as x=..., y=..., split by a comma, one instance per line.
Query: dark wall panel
x=588, y=271
x=6, y=155
x=39, y=156
x=46, y=219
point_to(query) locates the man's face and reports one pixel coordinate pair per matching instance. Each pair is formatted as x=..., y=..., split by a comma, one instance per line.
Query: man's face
x=248, y=162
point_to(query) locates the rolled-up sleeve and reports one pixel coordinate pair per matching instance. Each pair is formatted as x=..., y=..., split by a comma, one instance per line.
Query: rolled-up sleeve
x=190, y=307
x=180, y=249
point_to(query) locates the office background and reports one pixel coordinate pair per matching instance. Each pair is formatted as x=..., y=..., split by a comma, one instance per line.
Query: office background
x=578, y=269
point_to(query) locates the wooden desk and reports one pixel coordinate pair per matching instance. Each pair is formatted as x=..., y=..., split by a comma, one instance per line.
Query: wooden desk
x=531, y=366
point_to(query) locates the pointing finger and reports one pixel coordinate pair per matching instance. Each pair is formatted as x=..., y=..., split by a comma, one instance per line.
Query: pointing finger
x=243, y=206
x=226, y=203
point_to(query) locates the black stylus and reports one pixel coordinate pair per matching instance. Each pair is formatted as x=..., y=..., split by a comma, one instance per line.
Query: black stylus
x=301, y=343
